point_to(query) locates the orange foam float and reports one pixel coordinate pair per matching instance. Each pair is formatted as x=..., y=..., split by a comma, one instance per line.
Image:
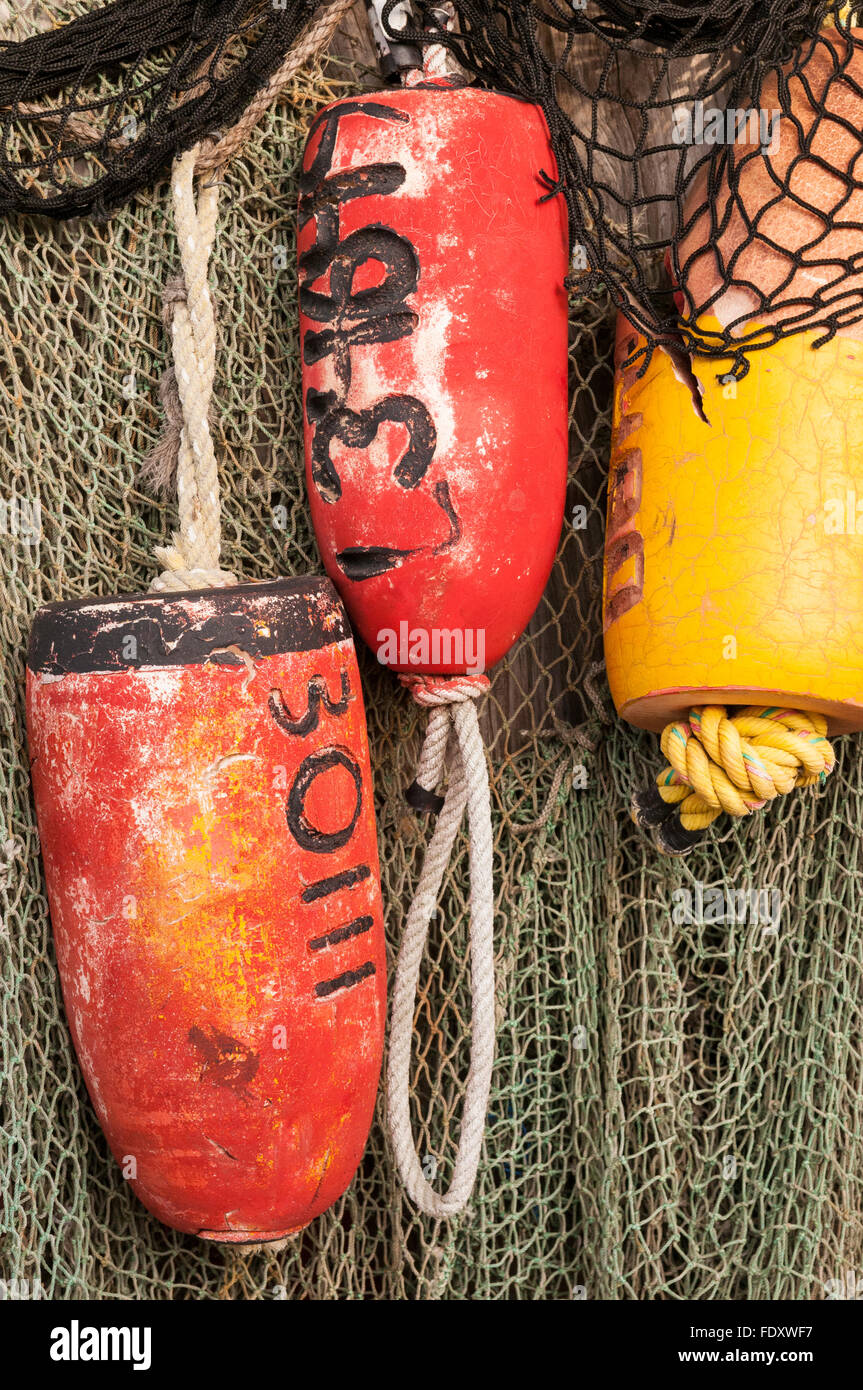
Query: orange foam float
x=204, y=797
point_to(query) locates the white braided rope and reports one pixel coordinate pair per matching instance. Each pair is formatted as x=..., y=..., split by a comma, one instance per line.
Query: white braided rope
x=436, y=62
x=437, y=59
x=192, y=560
x=452, y=719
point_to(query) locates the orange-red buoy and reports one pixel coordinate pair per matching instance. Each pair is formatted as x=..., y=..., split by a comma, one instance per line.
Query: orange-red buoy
x=201, y=774
x=433, y=253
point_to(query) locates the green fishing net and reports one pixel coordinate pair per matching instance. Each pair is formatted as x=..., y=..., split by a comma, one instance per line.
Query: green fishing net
x=676, y=1109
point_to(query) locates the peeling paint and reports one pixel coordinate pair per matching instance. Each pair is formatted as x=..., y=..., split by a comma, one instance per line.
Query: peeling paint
x=183, y=906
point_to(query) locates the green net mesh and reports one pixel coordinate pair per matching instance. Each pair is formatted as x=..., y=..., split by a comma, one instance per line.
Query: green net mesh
x=677, y=1110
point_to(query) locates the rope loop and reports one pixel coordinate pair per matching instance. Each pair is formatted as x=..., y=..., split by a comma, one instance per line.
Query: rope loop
x=185, y=455
x=192, y=560
x=454, y=726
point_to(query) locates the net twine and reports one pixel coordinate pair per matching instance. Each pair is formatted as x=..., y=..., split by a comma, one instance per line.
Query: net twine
x=185, y=453
x=574, y=744
x=453, y=725
x=734, y=764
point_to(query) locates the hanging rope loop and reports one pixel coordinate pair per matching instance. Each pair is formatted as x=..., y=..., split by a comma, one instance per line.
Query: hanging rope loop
x=185, y=456
x=192, y=560
x=438, y=695
x=453, y=725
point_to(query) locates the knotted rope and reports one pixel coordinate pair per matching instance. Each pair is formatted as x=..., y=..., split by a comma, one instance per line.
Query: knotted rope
x=453, y=726
x=437, y=61
x=574, y=744
x=313, y=38
x=734, y=764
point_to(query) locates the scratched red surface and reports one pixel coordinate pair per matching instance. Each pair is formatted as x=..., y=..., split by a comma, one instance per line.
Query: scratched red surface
x=483, y=354
x=238, y=1094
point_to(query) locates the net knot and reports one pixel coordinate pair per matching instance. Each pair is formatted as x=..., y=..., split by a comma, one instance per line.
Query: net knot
x=551, y=185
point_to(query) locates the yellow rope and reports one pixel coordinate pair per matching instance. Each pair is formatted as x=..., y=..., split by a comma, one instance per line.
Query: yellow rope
x=738, y=763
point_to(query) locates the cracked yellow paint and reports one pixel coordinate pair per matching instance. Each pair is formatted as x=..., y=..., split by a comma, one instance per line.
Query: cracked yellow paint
x=734, y=553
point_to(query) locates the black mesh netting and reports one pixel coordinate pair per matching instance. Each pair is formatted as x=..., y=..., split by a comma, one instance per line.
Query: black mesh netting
x=737, y=136
x=92, y=109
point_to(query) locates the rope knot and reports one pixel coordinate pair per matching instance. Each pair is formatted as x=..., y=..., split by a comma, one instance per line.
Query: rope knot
x=733, y=763
x=431, y=691
x=438, y=694
x=173, y=293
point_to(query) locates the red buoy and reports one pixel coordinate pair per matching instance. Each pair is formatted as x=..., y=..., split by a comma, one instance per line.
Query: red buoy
x=201, y=774
x=433, y=312
x=434, y=332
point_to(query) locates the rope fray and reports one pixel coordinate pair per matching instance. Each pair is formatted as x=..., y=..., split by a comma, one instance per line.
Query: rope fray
x=453, y=729
x=734, y=764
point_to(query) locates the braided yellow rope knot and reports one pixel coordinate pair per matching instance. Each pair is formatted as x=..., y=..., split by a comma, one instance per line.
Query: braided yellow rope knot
x=737, y=763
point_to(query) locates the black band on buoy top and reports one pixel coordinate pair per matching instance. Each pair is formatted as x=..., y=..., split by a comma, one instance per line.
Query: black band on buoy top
x=188, y=627
x=421, y=799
